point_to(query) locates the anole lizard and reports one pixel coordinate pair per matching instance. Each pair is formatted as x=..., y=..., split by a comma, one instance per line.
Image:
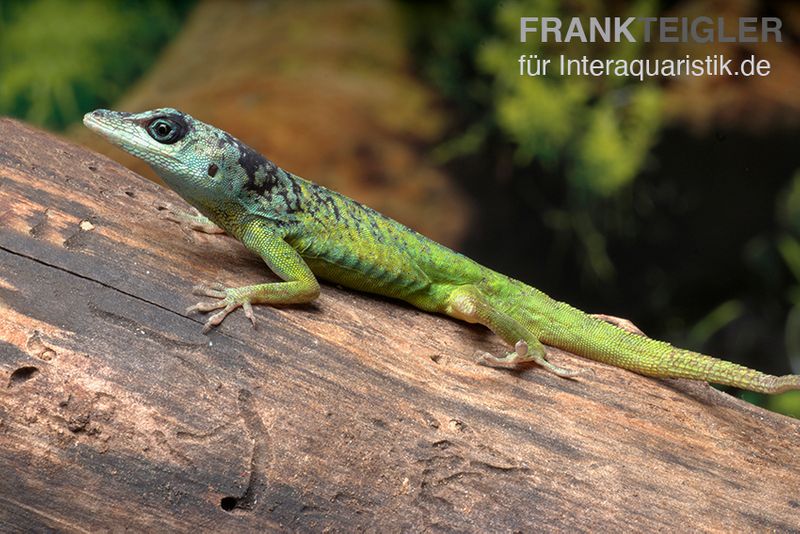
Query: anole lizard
x=304, y=231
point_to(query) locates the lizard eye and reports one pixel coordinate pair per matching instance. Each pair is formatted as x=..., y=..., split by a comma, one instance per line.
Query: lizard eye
x=165, y=131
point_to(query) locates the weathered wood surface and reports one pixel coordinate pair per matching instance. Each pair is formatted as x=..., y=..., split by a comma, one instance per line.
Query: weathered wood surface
x=355, y=413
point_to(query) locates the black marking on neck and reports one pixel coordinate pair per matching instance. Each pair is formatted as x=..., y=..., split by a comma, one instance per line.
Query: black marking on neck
x=251, y=163
x=264, y=178
x=212, y=170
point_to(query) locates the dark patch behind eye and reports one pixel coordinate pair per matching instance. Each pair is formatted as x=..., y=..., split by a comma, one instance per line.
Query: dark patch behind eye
x=212, y=170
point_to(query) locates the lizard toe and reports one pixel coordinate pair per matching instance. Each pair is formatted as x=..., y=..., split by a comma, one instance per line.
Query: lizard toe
x=206, y=306
x=509, y=361
x=217, y=291
x=218, y=317
x=248, y=312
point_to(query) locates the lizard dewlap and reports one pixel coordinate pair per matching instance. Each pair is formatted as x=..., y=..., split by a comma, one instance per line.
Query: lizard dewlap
x=304, y=231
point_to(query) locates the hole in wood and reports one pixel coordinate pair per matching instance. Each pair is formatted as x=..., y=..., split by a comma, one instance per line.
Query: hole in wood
x=22, y=374
x=228, y=503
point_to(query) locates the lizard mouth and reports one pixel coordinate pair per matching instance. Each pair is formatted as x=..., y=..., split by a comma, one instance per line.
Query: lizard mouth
x=91, y=120
x=100, y=121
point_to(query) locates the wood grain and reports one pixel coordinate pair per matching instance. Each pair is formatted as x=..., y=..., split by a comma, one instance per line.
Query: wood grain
x=355, y=413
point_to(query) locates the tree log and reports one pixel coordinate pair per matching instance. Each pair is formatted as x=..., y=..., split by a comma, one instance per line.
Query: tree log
x=354, y=413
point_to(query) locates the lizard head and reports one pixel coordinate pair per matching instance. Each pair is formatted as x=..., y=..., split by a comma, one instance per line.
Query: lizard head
x=171, y=142
x=203, y=164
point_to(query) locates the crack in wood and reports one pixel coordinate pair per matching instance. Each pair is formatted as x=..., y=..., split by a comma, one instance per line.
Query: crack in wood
x=90, y=279
x=201, y=437
x=54, y=519
x=116, y=289
x=259, y=460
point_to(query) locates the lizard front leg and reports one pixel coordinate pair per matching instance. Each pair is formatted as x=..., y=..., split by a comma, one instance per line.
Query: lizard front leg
x=192, y=220
x=299, y=285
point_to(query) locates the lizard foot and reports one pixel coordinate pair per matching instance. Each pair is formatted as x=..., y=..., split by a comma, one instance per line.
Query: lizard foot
x=619, y=323
x=188, y=220
x=230, y=298
x=521, y=355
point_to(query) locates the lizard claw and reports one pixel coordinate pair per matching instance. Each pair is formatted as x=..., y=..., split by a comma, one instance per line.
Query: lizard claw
x=248, y=312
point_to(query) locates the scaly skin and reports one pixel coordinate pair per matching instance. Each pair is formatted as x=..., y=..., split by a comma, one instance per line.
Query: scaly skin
x=303, y=230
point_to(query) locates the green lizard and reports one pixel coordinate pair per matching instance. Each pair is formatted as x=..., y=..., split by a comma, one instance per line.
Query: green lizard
x=303, y=230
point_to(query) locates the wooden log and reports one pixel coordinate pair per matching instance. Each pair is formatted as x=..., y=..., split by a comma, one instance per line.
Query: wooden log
x=354, y=413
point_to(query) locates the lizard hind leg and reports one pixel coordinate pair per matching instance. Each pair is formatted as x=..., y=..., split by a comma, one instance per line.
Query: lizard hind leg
x=469, y=304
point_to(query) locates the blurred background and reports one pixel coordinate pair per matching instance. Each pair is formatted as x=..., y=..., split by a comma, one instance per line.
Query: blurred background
x=674, y=202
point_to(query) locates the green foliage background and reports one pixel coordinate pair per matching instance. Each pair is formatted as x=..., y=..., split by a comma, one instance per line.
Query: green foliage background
x=599, y=129
x=54, y=66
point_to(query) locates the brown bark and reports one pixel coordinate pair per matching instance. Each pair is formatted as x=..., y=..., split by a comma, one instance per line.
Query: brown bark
x=355, y=413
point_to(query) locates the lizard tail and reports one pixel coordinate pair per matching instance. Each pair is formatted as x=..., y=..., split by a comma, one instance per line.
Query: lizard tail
x=560, y=325
x=680, y=363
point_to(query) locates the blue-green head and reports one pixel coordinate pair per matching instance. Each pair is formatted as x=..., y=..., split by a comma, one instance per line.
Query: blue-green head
x=205, y=165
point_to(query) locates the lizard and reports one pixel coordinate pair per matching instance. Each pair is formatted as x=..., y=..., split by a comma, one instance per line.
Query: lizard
x=304, y=231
